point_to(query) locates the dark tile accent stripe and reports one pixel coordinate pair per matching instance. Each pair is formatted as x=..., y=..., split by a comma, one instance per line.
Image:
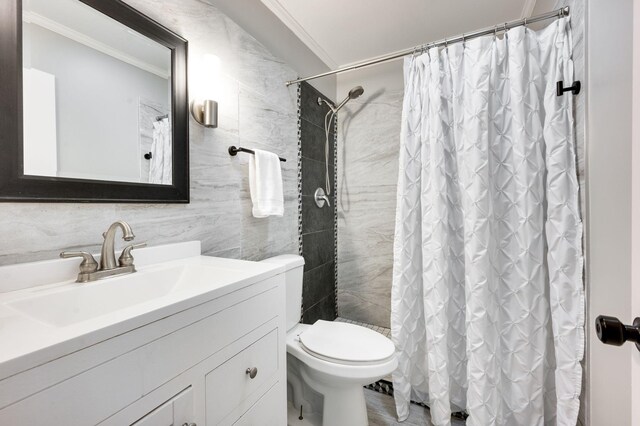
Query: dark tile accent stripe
x=313, y=176
x=314, y=141
x=315, y=219
x=318, y=283
x=316, y=227
x=317, y=249
x=309, y=108
x=324, y=310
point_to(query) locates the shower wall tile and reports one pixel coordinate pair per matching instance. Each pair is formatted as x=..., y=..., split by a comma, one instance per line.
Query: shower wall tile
x=359, y=308
x=319, y=283
x=309, y=108
x=315, y=219
x=317, y=248
x=255, y=107
x=369, y=138
x=314, y=176
x=313, y=148
x=323, y=310
x=318, y=224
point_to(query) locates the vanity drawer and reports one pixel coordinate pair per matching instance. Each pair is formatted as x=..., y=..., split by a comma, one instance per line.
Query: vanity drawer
x=175, y=412
x=230, y=384
x=264, y=412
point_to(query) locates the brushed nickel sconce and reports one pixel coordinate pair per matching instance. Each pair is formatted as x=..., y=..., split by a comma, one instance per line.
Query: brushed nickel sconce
x=205, y=112
x=204, y=109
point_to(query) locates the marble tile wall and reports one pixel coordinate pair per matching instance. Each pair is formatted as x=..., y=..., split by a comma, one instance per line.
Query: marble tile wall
x=368, y=146
x=256, y=110
x=318, y=236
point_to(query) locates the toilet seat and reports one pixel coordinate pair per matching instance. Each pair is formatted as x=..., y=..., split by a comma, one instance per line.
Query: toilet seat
x=344, y=343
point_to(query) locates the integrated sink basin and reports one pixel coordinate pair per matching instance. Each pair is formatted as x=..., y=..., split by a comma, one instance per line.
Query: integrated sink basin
x=81, y=302
x=45, y=314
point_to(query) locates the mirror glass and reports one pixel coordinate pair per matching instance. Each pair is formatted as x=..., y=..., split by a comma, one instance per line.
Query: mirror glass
x=96, y=97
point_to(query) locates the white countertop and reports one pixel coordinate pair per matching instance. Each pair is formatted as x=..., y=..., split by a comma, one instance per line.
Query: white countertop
x=26, y=342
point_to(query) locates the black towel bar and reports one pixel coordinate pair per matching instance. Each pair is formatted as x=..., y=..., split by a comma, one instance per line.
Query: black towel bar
x=235, y=150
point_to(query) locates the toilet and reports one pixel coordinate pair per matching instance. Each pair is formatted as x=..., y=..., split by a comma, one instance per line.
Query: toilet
x=329, y=363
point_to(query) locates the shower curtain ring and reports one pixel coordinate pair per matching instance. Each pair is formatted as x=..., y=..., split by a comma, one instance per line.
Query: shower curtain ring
x=495, y=32
x=525, y=23
x=446, y=44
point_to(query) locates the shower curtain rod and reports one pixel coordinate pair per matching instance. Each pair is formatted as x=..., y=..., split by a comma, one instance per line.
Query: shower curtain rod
x=559, y=13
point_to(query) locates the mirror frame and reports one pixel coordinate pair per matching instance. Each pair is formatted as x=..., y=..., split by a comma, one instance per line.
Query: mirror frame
x=15, y=186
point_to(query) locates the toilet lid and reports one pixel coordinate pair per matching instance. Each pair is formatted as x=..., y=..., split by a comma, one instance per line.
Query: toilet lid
x=346, y=342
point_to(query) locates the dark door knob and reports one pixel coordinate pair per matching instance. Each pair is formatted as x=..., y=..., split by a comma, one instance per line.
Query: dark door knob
x=612, y=331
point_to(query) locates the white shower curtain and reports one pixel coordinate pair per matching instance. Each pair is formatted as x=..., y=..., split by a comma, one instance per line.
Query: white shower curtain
x=487, y=300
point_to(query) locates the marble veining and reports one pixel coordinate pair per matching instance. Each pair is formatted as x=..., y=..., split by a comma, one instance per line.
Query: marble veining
x=256, y=110
x=368, y=146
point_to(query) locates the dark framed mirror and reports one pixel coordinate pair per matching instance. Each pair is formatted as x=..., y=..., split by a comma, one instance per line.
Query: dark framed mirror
x=93, y=104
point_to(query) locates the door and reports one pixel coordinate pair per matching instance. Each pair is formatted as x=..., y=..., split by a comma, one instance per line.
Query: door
x=612, y=218
x=635, y=291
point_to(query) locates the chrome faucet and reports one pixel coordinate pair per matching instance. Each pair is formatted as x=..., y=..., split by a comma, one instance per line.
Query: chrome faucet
x=89, y=268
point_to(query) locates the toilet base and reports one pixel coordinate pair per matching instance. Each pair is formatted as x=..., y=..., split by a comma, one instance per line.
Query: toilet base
x=333, y=390
x=343, y=403
x=345, y=407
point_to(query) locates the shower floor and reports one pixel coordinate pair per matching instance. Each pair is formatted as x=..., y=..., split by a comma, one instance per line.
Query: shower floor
x=382, y=330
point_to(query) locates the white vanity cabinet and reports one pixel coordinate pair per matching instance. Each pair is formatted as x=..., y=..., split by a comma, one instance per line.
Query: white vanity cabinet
x=218, y=362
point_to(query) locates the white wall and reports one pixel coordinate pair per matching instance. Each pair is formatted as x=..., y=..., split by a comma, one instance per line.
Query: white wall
x=609, y=101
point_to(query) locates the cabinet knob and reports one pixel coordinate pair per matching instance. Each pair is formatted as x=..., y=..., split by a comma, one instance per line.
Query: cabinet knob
x=252, y=372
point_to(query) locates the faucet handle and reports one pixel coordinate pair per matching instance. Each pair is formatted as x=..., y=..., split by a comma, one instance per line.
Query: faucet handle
x=126, y=259
x=88, y=263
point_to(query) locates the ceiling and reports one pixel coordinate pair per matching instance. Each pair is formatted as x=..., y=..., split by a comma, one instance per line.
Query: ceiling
x=344, y=32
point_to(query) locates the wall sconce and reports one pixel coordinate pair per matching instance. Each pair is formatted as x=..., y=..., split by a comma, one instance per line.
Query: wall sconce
x=205, y=109
x=205, y=112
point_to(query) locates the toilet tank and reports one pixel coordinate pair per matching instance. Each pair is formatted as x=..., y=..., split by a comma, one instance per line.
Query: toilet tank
x=294, y=268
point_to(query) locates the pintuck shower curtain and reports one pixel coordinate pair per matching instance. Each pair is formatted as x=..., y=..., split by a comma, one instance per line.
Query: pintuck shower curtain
x=487, y=299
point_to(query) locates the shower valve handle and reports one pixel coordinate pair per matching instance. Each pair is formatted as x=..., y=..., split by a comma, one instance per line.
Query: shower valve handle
x=612, y=331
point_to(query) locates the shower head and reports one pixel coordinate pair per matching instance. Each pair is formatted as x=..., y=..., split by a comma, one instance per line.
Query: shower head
x=356, y=92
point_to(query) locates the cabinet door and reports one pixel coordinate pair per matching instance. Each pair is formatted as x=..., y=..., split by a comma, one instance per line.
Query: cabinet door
x=175, y=412
x=265, y=412
x=232, y=384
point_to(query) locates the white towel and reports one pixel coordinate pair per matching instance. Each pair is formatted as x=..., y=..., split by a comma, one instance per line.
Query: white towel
x=265, y=183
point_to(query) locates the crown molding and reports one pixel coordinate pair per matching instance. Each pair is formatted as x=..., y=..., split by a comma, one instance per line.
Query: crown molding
x=283, y=14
